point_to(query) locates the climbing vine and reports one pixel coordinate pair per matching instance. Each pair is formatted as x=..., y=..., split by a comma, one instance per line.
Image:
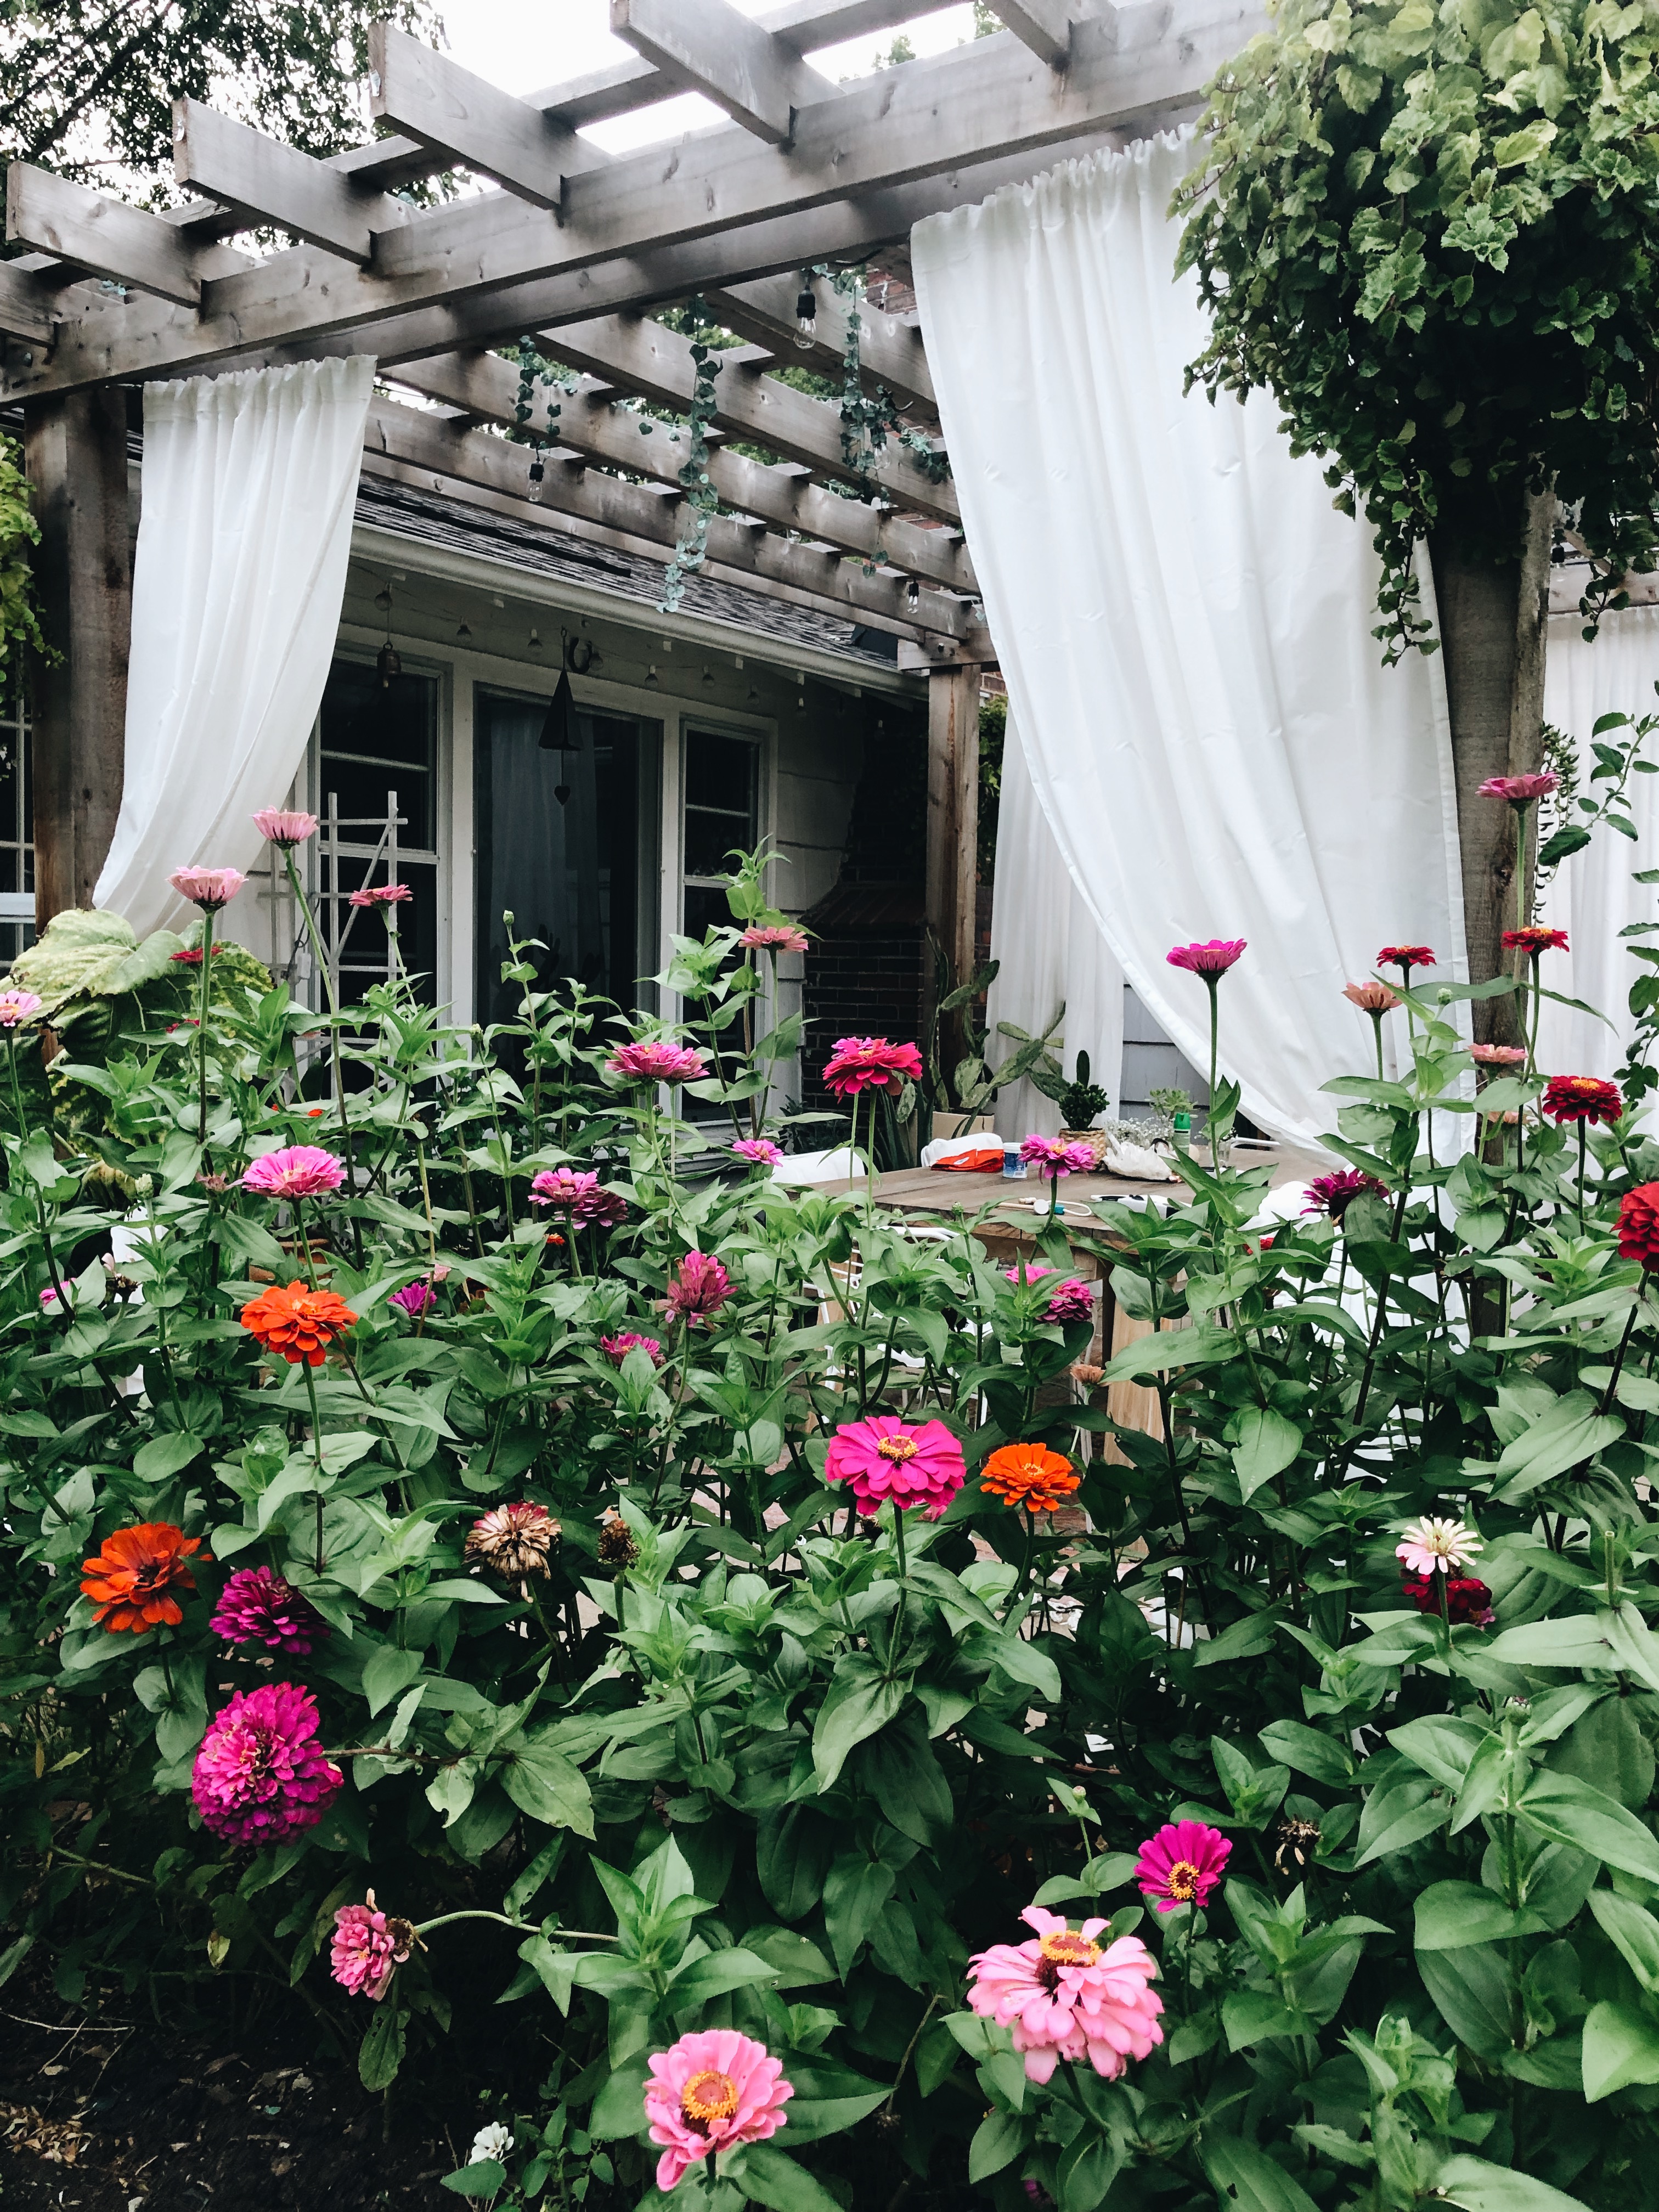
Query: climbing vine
x=700, y=502
x=534, y=370
x=18, y=532
x=868, y=420
x=1433, y=234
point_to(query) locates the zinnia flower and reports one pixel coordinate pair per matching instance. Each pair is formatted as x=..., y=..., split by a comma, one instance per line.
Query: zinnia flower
x=133, y=1577
x=616, y=1546
x=759, y=1151
x=1068, y=1301
x=1406, y=958
x=658, y=1060
x=869, y=1063
x=1432, y=1545
x=1468, y=1602
x=1334, y=1194
x=1520, y=790
x=618, y=1348
x=698, y=1290
x=1535, y=938
x=576, y=1194
x=1030, y=1477
x=295, y=1171
x=380, y=894
x=1213, y=958
x=708, y=2092
x=189, y=955
x=887, y=1464
x=1372, y=998
x=1181, y=1864
x=258, y=1606
x=368, y=1948
x=284, y=826
x=206, y=888
x=773, y=937
x=414, y=1299
x=298, y=1321
x=261, y=1775
x=1056, y=1159
x=1499, y=1055
x=514, y=1540
x=16, y=1007
x=1064, y=1996
x=1582, y=1098
x=1639, y=1224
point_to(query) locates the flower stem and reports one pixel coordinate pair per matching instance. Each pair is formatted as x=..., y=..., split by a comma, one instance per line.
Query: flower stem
x=327, y=972
x=317, y=1453
x=202, y=1028
x=1215, y=1040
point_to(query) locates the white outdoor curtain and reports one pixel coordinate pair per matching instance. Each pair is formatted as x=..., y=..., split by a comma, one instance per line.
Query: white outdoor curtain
x=1593, y=896
x=1184, y=625
x=1051, y=953
x=249, y=485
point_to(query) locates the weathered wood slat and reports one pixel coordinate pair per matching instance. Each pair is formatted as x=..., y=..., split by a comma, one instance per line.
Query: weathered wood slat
x=108, y=238
x=1044, y=26
x=265, y=181
x=461, y=118
x=891, y=352
x=706, y=46
x=28, y=304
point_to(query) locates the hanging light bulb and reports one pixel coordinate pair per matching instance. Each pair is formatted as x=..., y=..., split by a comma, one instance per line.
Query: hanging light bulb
x=561, y=792
x=386, y=662
x=535, y=638
x=806, y=316
x=651, y=680
x=465, y=630
x=913, y=595
x=707, y=673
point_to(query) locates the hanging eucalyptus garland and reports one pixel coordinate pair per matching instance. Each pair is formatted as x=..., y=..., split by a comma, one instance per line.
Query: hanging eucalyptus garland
x=868, y=420
x=534, y=370
x=700, y=502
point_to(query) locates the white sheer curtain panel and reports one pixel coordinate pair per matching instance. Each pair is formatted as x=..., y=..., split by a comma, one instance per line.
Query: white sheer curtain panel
x=249, y=485
x=1184, y=625
x=1593, y=895
x=1051, y=951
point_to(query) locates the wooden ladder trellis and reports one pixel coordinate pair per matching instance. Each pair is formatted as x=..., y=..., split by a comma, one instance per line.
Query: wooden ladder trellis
x=331, y=897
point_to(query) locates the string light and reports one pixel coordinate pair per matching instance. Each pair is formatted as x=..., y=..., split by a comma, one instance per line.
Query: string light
x=806, y=314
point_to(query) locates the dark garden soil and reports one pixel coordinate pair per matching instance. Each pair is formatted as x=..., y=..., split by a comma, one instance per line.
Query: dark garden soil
x=114, y=2113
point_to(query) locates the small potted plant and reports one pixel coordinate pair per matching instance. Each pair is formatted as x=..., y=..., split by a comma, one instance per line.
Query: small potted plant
x=1078, y=1101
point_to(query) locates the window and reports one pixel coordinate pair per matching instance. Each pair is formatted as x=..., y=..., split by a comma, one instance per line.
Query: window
x=567, y=846
x=16, y=828
x=722, y=816
x=377, y=755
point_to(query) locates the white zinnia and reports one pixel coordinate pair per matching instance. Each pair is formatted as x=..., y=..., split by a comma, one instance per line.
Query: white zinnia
x=1432, y=1545
x=492, y=2141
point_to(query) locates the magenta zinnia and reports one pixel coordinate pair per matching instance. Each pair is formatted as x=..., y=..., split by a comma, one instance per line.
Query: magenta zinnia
x=708, y=2092
x=295, y=1171
x=1214, y=957
x=1333, y=1194
x=368, y=1948
x=887, y=1462
x=1520, y=790
x=262, y=1775
x=1181, y=1864
x=1065, y=1995
x=616, y=1348
x=698, y=1289
x=658, y=1059
x=859, y=1064
x=577, y=1195
x=1069, y=1300
x=258, y=1606
x=414, y=1299
x=1055, y=1160
x=759, y=1151
x=380, y=894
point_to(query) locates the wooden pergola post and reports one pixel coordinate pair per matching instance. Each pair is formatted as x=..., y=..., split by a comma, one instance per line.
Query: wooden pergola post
x=76, y=453
x=953, y=834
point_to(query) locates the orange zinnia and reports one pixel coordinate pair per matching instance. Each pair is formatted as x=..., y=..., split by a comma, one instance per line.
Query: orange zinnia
x=298, y=1321
x=1030, y=1477
x=133, y=1579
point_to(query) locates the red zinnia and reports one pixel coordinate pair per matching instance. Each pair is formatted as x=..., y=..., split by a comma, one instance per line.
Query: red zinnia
x=1582, y=1098
x=1639, y=1224
x=869, y=1063
x=133, y=1577
x=1406, y=958
x=1535, y=938
x=1469, y=1602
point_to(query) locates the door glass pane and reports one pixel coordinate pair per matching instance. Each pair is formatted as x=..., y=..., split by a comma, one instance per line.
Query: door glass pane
x=566, y=842
x=378, y=753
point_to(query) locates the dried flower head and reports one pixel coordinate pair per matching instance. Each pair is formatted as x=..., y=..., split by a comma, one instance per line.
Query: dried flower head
x=514, y=1540
x=617, y=1545
x=1297, y=1840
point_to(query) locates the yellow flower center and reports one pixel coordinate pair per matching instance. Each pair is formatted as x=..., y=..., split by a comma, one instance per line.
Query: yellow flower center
x=897, y=1448
x=1066, y=1947
x=709, y=2097
x=1183, y=1881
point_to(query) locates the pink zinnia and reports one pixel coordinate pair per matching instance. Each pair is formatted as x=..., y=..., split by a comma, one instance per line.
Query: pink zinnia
x=1181, y=1864
x=888, y=1463
x=368, y=1948
x=1519, y=789
x=414, y=1299
x=1064, y=1996
x=261, y=1775
x=773, y=937
x=1499, y=1055
x=295, y=1171
x=1057, y=1159
x=258, y=1606
x=1213, y=958
x=16, y=1007
x=658, y=1059
x=208, y=888
x=1070, y=1300
x=869, y=1064
x=381, y=895
x=760, y=1151
x=708, y=2092
x=698, y=1289
x=1333, y=1194
x=618, y=1348
x=576, y=1193
x=285, y=826
x=1372, y=998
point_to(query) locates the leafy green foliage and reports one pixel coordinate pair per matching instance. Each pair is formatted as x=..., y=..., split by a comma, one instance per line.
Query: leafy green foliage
x=1430, y=232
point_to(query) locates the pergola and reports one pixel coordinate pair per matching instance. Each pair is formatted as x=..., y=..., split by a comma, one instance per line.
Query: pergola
x=573, y=250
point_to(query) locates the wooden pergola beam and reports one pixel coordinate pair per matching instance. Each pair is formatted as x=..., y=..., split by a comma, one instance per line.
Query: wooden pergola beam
x=892, y=353
x=106, y=238
x=1044, y=26
x=28, y=304
x=427, y=441
x=706, y=46
x=990, y=98
x=461, y=118
x=645, y=358
x=264, y=181
x=593, y=424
